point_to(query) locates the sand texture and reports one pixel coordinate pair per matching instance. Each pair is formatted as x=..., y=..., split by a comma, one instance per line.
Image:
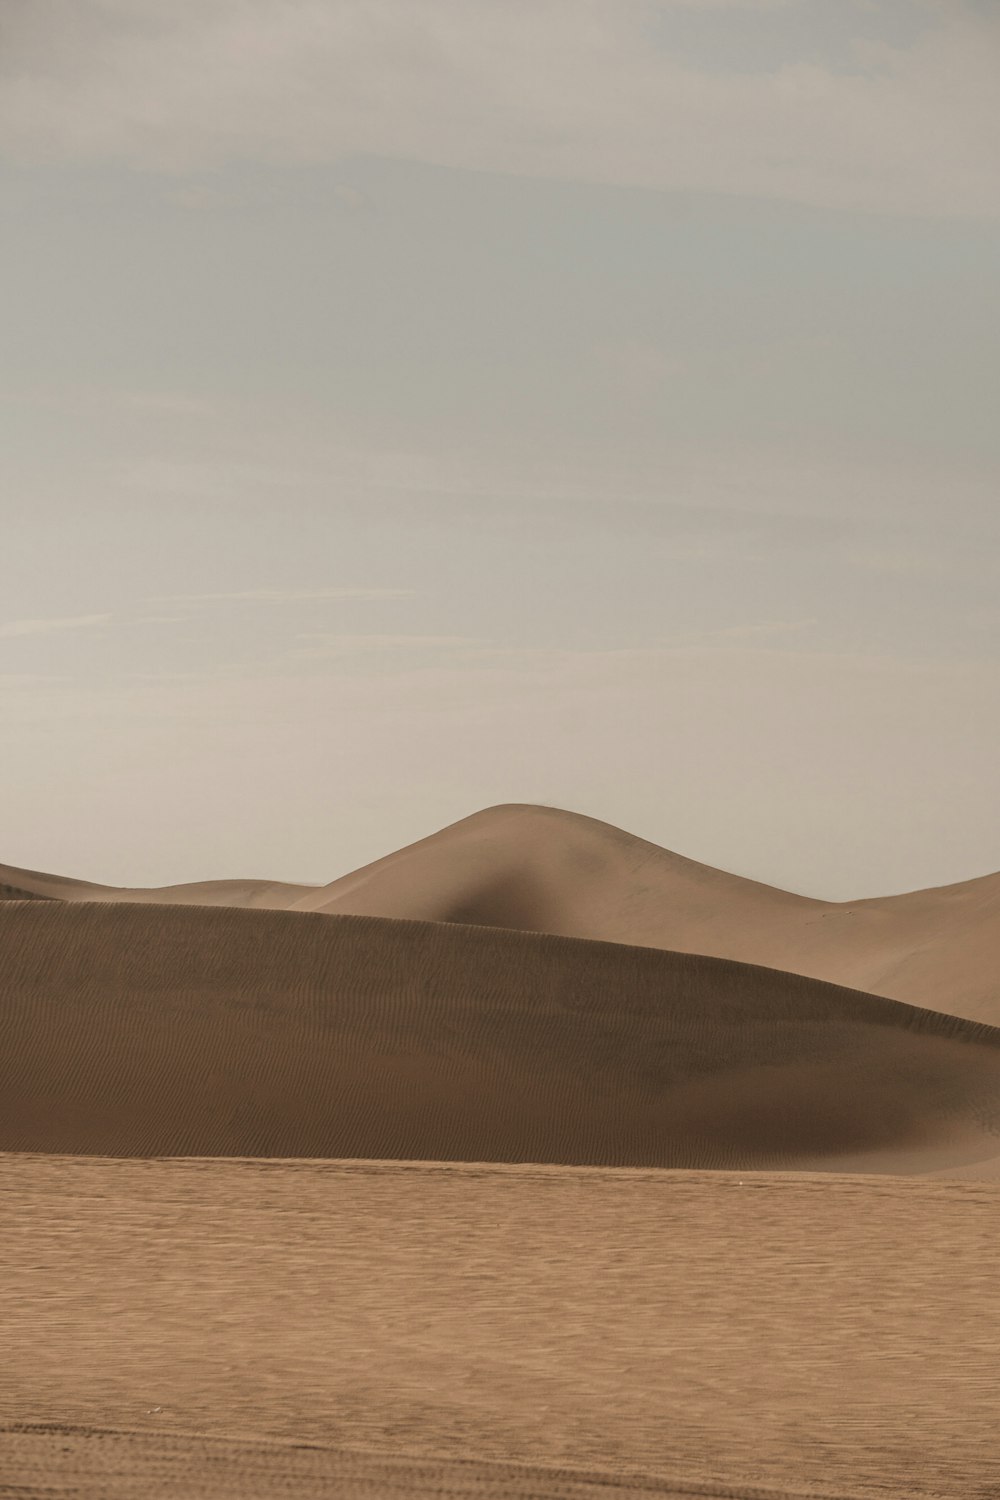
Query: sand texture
x=761, y=1329
x=156, y=1031
x=531, y=1161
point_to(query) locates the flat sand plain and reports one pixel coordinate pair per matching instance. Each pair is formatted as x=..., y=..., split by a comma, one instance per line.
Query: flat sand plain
x=776, y=1329
x=530, y=1161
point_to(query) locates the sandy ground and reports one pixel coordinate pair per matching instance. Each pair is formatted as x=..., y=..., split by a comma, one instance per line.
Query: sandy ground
x=94, y=1463
x=636, y=1200
x=745, y=1329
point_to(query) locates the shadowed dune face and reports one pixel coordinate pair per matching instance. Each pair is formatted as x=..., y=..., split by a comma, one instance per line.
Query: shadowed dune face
x=14, y=893
x=541, y=869
x=162, y=1031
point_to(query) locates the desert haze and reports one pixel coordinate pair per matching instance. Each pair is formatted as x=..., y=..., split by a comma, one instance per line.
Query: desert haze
x=532, y=1159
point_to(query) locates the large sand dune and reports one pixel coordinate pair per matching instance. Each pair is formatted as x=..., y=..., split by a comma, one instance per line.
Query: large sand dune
x=159, y=1030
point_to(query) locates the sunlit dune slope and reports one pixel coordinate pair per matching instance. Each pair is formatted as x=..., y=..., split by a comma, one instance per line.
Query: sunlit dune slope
x=545, y=870
x=133, y=1030
x=716, y=1329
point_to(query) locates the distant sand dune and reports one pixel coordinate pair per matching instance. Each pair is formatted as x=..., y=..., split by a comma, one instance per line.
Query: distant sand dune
x=539, y=869
x=814, y=1335
x=162, y=1030
x=266, y=894
x=546, y=870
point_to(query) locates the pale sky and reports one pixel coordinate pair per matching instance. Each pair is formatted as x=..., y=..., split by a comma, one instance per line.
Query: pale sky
x=412, y=405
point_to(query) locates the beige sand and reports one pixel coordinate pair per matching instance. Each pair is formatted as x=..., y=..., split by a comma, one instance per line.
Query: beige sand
x=761, y=1329
x=614, y=1252
x=159, y=1030
x=264, y=894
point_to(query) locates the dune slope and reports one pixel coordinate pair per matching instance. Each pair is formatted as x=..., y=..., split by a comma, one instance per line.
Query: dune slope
x=144, y=1030
x=541, y=869
x=830, y=1335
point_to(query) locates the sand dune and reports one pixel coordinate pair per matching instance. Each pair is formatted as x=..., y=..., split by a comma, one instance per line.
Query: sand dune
x=193, y=1031
x=545, y=870
x=595, y=1237
x=539, y=869
x=823, y=1335
x=265, y=894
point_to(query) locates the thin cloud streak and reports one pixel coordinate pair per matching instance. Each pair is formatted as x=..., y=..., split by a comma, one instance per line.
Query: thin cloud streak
x=46, y=627
x=282, y=596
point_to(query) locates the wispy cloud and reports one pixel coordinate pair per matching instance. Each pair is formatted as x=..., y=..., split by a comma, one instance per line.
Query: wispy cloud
x=589, y=90
x=758, y=630
x=283, y=596
x=48, y=626
x=384, y=642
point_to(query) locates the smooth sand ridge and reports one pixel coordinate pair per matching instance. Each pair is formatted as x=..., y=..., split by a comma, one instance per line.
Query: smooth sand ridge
x=770, y=1329
x=159, y=1031
x=541, y=869
x=277, y=895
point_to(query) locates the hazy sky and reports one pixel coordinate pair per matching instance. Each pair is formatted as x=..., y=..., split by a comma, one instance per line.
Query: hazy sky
x=411, y=405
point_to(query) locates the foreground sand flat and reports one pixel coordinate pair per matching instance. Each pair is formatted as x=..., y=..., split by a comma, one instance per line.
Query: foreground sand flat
x=784, y=1330
x=102, y=1464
